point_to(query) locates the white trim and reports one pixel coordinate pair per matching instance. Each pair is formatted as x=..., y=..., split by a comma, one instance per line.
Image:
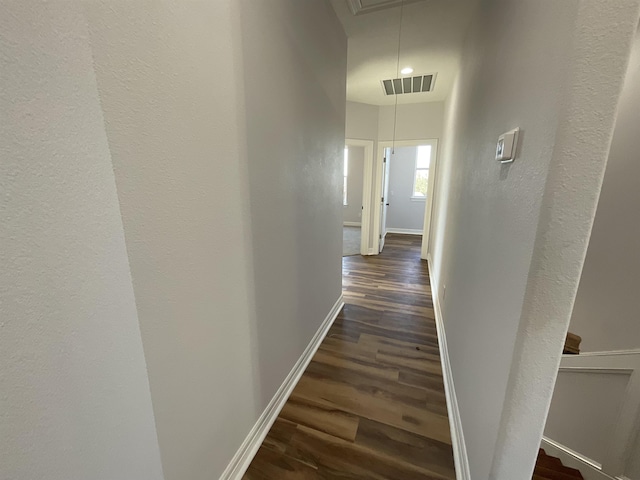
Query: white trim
x=590, y=470
x=607, y=353
x=431, y=195
x=415, y=175
x=460, y=457
x=610, y=371
x=404, y=231
x=351, y=224
x=367, y=180
x=243, y=457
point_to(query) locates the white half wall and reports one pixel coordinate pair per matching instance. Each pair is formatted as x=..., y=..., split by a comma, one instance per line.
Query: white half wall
x=509, y=240
x=607, y=305
x=585, y=409
x=75, y=401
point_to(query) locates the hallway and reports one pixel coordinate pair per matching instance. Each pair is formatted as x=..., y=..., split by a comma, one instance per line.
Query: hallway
x=371, y=403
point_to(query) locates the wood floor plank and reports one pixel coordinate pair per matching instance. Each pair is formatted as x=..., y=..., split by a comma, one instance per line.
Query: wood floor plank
x=321, y=417
x=430, y=454
x=268, y=465
x=351, y=361
x=371, y=403
x=336, y=458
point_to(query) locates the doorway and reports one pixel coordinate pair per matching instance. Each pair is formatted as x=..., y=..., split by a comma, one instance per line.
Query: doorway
x=356, y=197
x=404, y=187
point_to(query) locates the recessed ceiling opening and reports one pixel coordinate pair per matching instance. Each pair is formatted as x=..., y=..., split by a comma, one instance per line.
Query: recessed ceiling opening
x=360, y=7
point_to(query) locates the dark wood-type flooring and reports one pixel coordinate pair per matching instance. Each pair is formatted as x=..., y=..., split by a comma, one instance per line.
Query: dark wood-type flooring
x=551, y=468
x=371, y=404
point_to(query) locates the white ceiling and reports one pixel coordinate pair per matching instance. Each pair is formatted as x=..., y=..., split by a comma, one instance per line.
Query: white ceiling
x=432, y=36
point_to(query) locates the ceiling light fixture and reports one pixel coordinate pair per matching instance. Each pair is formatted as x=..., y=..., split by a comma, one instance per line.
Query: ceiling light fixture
x=406, y=71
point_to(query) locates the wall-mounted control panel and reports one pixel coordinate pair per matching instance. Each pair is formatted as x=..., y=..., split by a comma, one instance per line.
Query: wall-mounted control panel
x=507, y=143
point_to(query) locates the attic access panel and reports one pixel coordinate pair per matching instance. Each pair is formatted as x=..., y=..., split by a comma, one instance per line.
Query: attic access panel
x=360, y=7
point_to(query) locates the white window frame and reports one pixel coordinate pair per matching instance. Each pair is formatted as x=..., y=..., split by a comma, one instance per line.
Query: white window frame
x=414, y=197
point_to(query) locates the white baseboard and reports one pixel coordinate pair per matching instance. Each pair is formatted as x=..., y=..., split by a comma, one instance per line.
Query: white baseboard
x=589, y=469
x=455, y=423
x=404, y=231
x=243, y=457
x=351, y=224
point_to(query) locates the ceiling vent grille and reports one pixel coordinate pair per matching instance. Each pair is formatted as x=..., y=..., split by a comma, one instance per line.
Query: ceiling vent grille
x=416, y=84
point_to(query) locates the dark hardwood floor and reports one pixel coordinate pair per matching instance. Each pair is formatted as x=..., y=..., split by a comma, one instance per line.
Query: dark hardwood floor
x=371, y=404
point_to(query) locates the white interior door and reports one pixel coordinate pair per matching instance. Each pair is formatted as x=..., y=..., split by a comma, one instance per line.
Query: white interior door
x=385, y=197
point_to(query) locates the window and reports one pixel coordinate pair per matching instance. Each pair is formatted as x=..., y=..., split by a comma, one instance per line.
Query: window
x=421, y=175
x=345, y=176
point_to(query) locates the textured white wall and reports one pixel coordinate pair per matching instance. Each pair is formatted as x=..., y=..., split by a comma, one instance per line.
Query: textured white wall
x=607, y=305
x=510, y=239
x=295, y=146
x=415, y=120
x=75, y=397
x=224, y=191
x=361, y=121
x=175, y=127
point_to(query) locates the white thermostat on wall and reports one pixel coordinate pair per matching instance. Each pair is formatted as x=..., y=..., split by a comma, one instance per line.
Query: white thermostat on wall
x=507, y=143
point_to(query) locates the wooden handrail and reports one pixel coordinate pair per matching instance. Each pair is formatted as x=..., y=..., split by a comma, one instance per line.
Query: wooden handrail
x=572, y=344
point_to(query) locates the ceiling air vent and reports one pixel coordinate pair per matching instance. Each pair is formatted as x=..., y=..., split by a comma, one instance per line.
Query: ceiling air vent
x=417, y=84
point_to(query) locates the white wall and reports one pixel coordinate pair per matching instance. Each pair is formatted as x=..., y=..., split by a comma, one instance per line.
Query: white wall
x=75, y=397
x=607, y=308
x=510, y=239
x=353, y=211
x=222, y=186
x=584, y=411
x=174, y=130
x=415, y=120
x=221, y=189
x=404, y=212
x=361, y=121
x=295, y=148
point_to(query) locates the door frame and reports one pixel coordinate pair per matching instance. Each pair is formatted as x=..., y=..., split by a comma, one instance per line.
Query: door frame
x=367, y=174
x=377, y=205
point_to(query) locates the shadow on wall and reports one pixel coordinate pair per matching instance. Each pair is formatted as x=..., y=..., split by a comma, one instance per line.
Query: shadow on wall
x=294, y=148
